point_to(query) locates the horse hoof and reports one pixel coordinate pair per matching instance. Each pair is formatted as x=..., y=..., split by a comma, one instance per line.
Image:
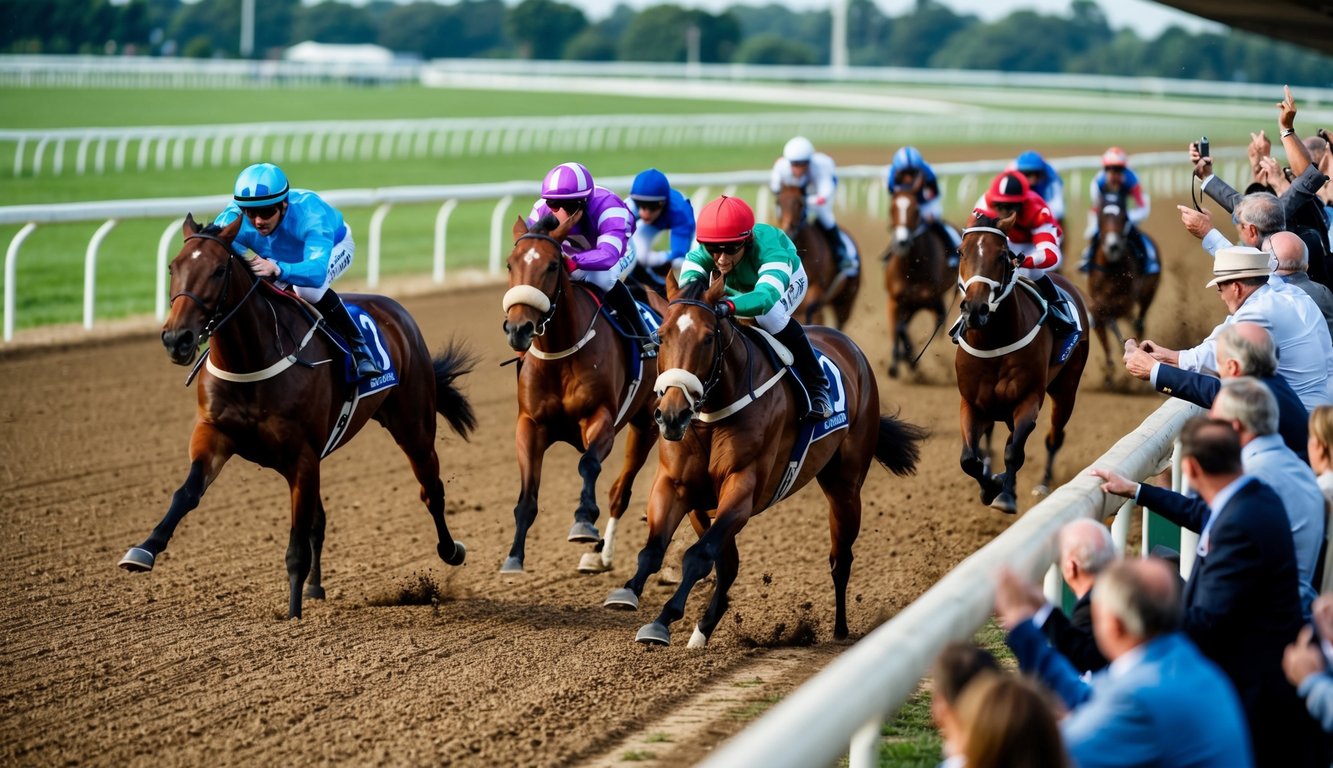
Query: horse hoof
x=137, y=560
x=584, y=533
x=698, y=639
x=591, y=562
x=1041, y=491
x=622, y=599
x=653, y=634
x=458, y=555
x=1006, y=503
x=314, y=592
x=512, y=565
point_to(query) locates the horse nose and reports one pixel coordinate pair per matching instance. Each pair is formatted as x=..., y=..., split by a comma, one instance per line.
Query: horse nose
x=179, y=343
x=673, y=425
x=520, y=336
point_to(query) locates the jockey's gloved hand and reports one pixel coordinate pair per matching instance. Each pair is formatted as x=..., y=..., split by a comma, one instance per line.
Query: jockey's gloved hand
x=570, y=264
x=724, y=308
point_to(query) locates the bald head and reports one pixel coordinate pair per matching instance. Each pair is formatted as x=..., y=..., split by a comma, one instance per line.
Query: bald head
x=1088, y=543
x=1317, y=147
x=1290, y=251
x=1251, y=346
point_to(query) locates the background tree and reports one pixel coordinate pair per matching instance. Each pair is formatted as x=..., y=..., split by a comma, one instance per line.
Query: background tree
x=592, y=44
x=918, y=38
x=420, y=28
x=334, y=22
x=542, y=28
x=774, y=49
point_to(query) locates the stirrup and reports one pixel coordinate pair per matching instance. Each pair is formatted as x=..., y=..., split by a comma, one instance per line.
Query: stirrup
x=818, y=413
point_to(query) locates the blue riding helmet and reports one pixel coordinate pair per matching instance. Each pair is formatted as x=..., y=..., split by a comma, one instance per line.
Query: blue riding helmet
x=908, y=157
x=260, y=185
x=650, y=186
x=1030, y=162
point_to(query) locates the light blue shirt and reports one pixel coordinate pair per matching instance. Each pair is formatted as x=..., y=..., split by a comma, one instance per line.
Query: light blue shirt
x=302, y=242
x=1269, y=459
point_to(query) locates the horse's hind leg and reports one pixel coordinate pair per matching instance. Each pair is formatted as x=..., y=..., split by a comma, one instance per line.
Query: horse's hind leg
x=728, y=565
x=209, y=450
x=666, y=508
x=599, y=435
x=314, y=586
x=1062, y=408
x=975, y=460
x=639, y=442
x=843, y=490
x=417, y=441
x=1015, y=454
x=304, y=483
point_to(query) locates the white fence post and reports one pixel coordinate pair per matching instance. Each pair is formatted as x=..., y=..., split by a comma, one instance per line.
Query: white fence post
x=497, y=231
x=90, y=271
x=160, y=279
x=11, y=275
x=441, y=230
x=376, y=238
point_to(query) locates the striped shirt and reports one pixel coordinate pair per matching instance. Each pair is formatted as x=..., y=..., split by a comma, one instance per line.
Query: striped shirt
x=598, y=241
x=761, y=274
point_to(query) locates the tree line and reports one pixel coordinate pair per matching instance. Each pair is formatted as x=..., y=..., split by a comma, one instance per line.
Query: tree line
x=928, y=35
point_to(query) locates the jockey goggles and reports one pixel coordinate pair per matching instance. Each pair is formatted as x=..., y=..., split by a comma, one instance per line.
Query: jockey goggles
x=727, y=248
x=266, y=212
x=568, y=206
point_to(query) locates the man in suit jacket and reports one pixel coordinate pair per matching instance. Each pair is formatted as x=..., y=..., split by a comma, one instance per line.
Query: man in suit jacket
x=1242, y=606
x=1293, y=264
x=1243, y=349
x=1160, y=702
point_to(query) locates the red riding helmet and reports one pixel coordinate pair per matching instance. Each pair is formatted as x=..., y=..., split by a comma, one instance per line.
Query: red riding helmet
x=1115, y=157
x=724, y=220
x=1008, y=187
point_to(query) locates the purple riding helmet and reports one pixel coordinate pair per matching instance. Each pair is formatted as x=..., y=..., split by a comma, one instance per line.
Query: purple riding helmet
x=567, y=181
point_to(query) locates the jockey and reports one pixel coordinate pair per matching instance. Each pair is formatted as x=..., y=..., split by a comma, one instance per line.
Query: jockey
x=1044, y=180
x=597, y=249
x=301, y=242
x=765, y=280
x=658, y=208
x=908, y=165
x=1035, y=236
x=815, y=173
x=1117, y=179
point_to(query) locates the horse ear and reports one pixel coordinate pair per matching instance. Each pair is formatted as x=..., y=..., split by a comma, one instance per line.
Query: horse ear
x=1007, y=223
x=559, y=232
x=716, y=289
x=230, y=231
x=189, y=227
x=520, y=227
x=672, y=284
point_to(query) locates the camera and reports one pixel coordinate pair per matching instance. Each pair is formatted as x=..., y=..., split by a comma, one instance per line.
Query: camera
x=1203, y=147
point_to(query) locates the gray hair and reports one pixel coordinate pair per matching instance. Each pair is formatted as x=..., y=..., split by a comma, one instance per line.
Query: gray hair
x=1293, y=247
x=1264, y=211
x=1257, y=357
x=1089, y=543
x=1143, y=594
x=1251, y=403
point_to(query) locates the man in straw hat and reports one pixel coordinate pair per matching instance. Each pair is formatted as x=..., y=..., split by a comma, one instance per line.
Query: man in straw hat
x=1305, y=349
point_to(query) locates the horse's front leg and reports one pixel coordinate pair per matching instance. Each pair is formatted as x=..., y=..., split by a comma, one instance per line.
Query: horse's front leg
x=599, y=434
x=667, y=506
x=735, y=504
x=975, y=460
x=531, y=441
x=895, y=335
x=1025, y=420
x=209, y=450
x=639, y=442
x=303, y=480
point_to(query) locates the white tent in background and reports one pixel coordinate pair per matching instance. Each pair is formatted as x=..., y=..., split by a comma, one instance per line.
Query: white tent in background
x=329, y=53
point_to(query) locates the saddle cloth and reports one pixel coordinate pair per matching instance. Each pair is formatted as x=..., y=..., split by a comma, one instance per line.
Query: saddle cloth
x=375, y=340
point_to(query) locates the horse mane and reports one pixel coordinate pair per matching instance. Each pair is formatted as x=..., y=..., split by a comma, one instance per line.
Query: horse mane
x=545, y=225
x=982, y=219
x=693, y=290
x=211, y=229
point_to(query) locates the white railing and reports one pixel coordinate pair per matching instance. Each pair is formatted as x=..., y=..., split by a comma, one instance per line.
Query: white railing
x=29, y=71
x=863, y=189
x=845, y=705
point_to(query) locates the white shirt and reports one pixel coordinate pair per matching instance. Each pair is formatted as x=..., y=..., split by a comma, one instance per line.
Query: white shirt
x=818, y=179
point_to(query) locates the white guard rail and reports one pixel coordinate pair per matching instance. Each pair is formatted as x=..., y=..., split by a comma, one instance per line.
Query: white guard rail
x=847, y=702
x=1162, y=172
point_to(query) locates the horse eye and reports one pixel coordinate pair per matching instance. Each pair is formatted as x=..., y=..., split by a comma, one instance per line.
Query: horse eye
x=708, y=341
x=218, y=273
x=551, y=267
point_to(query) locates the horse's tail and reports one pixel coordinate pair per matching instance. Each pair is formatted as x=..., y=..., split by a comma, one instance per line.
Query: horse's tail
x=451, y=403
x=898, y=446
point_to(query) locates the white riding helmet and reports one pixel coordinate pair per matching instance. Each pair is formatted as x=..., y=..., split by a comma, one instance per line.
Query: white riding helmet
x=799, y=150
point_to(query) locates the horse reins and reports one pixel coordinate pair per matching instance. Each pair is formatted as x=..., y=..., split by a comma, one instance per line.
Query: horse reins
x=719, y=352
x=540, y=329
x=1010, y=279
x=214, y=323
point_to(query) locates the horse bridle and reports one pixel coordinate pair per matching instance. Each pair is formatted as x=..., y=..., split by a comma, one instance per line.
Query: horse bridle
x=686, y=381
x=213, y=323
x=546, y=316
x=1010, y=278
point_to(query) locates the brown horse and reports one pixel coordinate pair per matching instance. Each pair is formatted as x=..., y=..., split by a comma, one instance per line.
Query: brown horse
x=574, y=386
x=1115, y=280
x=828, y=286
x=916, y=273
x=728, y=452
x=1004, y=361
x=273, y=392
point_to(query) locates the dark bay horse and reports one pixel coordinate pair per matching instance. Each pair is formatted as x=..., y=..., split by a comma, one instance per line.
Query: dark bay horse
x=727, y=452
x=1004, y=361
x=1116, y=283
x=828, y=287
x=273, y=392
x=574, y=386
x=916, y=273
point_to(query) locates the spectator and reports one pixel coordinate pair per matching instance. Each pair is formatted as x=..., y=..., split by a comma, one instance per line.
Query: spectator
x=955, y=668
x=1242, y=605
x=1308, y=661
x=1321, y=461
x=1086, y=550
x=1243, y=349
x=1292, y=258
x=1305, y=358
x=1008, y=722
x=1161, y=702
x=1252, y=411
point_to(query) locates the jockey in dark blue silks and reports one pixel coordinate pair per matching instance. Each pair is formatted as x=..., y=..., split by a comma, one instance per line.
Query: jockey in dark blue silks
x=1117, y=179
x=908, y=165
x=1044, y=180
x=659, y=208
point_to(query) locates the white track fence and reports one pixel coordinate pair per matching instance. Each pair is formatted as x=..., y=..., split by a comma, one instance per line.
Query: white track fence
x=847, y=703
x=861, y=188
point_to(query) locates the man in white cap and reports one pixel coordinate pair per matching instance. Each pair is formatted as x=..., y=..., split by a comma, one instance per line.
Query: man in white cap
x=1305, y=349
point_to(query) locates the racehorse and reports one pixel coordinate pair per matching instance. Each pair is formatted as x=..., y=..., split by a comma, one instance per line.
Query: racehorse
x=574, y=386
x=731, y=445
x=1004, y=359
x=274, y=392
x=1115, y=280
x=916, y=273
x=829, y=287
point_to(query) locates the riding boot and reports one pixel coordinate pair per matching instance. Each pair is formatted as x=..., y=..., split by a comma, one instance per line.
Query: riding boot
x=837, y=247
x=622, y=305
x=812, y=373
x=1059, y=315
x=1085, y=264
x=1140, y=246
x=336, y=315
x=950, y=240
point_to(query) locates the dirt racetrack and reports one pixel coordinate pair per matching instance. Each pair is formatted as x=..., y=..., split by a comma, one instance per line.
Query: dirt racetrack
x=195, y=664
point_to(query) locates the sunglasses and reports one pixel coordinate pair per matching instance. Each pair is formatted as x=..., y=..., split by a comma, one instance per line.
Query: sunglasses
x=267, y=212
x=649, y=205
x=568, y=206
x=727, y=248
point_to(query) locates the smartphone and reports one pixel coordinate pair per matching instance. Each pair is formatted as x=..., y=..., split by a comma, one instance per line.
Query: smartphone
x=1203, y=147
